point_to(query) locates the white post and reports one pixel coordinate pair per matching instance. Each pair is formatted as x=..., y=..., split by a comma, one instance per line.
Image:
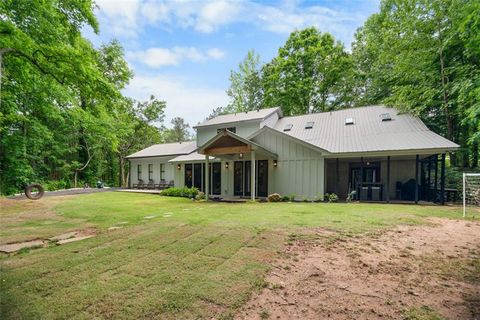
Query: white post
x=252, y=188
x=207, y=177
x=464, y=196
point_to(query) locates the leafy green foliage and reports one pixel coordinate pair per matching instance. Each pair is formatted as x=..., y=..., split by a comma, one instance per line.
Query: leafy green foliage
x=185, y=192
x=423, y=57
x=308, y=74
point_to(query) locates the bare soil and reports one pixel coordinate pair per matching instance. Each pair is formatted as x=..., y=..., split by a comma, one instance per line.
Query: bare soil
x=432, y=270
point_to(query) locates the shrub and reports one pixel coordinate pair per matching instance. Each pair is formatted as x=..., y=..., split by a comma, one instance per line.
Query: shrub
x=54, y=185
x=331, y=197
x=285, y=199
x=180, y=192
x=200, y=196
x=274, y=197
x=291, y=197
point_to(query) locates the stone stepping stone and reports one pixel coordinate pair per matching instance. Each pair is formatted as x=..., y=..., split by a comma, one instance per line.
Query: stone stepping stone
x=74, y=239
x=64, y=236
x=114, y=228
x=149, y=217
x=123, y=222
x=9, y=248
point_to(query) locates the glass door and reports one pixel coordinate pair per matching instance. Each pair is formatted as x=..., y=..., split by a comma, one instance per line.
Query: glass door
x=238, y=178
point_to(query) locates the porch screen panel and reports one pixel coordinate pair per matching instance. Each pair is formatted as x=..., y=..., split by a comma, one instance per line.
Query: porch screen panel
x=139, y=172
x=188, y=175
x=197, y=176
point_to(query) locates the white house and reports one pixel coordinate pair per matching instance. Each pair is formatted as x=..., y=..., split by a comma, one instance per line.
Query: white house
x=376, y=151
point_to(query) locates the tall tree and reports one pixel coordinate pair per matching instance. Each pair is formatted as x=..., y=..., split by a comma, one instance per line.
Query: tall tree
x=307, y=74
x=138, y=127
x=414, y=55
x=179, y=132
x=245, y=90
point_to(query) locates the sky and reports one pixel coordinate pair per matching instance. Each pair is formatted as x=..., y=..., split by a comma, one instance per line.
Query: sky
x=182, y=51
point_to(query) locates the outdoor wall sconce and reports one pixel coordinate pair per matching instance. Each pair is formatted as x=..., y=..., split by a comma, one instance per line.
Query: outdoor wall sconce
x=240, y=155
x=179, y=166
x=226, y=165
x=275, y=163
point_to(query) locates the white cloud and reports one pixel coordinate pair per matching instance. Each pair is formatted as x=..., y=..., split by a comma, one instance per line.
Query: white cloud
x=126, y=18
x=192, y=103
x=158, y=57
x=216, y=53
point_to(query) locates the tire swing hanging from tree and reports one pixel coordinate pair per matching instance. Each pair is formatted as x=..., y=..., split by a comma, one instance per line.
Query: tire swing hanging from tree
x=29, y=191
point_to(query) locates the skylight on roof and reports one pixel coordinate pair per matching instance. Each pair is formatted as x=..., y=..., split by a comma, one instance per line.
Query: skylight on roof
x=348, y=121
x=288, y=127
x=309, y=125
x=385, y=117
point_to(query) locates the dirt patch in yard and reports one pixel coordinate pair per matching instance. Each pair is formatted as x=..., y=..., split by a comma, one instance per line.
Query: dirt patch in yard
x=420, y=272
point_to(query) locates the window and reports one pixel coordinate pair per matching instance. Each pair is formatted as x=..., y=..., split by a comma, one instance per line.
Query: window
x=385, y=117
x=309, y=125
x=348, y=121
x=139, y=172
x=231, y=129
x=150, y=171
x=188, y=175
x=288, y=127
x=162, y=171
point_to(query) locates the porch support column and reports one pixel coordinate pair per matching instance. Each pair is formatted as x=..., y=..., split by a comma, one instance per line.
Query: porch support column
x=442, y=181
x=387, y=187
x=417, y=157
x=207, y=177
x=252, y=187
x=361, y=179
x=337, y=176
x=435, y=199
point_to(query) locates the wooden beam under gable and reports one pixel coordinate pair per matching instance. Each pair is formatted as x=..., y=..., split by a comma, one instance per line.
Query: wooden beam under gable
x=228, y=150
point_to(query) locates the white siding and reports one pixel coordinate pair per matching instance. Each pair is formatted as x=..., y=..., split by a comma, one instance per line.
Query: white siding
x=144, y=162
x=243, y=129
x=300, y=170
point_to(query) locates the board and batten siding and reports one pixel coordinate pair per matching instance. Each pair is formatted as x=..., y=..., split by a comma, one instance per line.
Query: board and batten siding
x=300, y=170
x=155, y=161
x=243, y=129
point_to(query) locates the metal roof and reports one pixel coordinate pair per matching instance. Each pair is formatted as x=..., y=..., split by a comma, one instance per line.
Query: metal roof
x=240, y=116
x=194, y=156
x=166, y=149
x=368, y=133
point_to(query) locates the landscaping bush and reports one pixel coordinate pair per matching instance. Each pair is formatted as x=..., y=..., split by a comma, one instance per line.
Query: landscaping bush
x=291, y=197
x=285, y=198
x=180, y=192
x=200, y=196
x=331, y=197
x=274, y=197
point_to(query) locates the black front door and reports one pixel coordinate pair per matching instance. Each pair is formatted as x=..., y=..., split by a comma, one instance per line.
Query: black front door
x=242, y=178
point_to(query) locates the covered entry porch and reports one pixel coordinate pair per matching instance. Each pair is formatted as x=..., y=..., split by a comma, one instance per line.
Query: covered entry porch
x=246, y=164
x=410, y=178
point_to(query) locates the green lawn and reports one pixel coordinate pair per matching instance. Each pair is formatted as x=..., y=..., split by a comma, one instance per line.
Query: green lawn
x=192, y=260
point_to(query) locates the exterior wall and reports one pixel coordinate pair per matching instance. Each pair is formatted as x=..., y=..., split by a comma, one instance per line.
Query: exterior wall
x=243, y=129
x=400, y=170
x=270, y=121
x=299, y=171
x=144, y=162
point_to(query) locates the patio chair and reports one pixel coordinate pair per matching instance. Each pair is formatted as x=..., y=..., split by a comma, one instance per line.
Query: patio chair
x=160, y=185
x=139, y=185
x=150, y=185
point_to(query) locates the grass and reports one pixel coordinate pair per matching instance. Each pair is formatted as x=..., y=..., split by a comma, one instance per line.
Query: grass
x=192, y=260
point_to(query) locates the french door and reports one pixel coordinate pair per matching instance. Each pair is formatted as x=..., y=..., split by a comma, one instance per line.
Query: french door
x=242, y=178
